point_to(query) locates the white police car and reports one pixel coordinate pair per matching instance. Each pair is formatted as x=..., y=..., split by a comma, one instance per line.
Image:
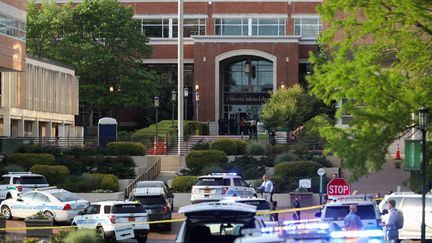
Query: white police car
x=60, y=204
x=263, y=208
x=15, y=183
x=337, y=208
x=217, y=186
x=217, y=222
x=117, y=220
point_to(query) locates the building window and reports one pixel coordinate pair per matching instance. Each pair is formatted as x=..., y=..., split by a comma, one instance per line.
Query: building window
x=168, y=27
x=190, y=27
x=307, y=27
x=156, y=28
x=274, y=27
x=12, y=27
x=231, y=26
x=250, y=27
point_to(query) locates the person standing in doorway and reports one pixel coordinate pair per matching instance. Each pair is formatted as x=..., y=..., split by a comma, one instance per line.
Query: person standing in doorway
x=352, y=221
x=296, y=204
x=266, y=188
x=391, y=232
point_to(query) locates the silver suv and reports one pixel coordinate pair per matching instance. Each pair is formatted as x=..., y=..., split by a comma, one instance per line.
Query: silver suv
x=411, y=206
x=15, y=183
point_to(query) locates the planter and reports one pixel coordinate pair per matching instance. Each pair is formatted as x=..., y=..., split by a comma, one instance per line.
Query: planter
x=42, y=233
x=2, y=225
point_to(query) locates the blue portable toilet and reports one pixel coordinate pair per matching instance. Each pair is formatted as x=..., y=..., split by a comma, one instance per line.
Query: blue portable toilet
x=107, y=131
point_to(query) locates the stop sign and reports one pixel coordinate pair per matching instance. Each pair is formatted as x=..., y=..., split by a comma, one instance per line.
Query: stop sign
x=338, y=187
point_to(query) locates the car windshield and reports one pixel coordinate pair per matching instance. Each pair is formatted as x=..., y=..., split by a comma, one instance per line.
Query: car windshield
x=212, y=181
x=127, y=208
x=143, y=184
x=150, y=200
x=260, y=204
x=65, y=196
x=339, y=212
x=33, y=180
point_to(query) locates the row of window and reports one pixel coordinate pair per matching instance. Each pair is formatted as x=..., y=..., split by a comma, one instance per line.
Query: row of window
x=307, y=27
x=12, y=27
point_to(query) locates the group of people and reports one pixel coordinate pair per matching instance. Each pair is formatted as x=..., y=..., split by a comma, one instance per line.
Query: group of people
x=390, y=225
x=232, y=127
x=351, y=221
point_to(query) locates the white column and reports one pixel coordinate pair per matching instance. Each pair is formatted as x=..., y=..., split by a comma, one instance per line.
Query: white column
x=180, y=82
x=21, y=127
x=35, y=129
x=6, y=125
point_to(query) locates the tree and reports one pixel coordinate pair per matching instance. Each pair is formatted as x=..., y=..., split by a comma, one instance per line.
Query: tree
x=289, y=107
x=104, y=44
x=376, y=55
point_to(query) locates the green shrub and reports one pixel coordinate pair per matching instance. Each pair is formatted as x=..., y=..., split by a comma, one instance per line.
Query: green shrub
x=26, y=161
x=107, y=182
x=198, y=159
x=323, y=161
x=286, y=157
x=183, y=183
x=125, y=148
x=248, y=167
x=201, y=145
x=229, y=146
x=290, y=172
x=53, y=173
x=80, y=183
x=12, y=168
x=267, y=161
x=39, y=149
x=121, y=166
x=83, y=236
x=59, y=237
x=206, y=170
x=277, y=149
x=256, y=148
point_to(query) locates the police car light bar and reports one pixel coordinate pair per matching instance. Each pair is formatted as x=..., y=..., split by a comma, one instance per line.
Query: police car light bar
x=16, y=173
x=300, y=221
x=296, y=227
x=224, y=174
x=355, y=197
x=356, y=234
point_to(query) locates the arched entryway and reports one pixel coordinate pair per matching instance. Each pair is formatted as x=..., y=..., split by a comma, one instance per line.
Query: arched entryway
x=244, y=82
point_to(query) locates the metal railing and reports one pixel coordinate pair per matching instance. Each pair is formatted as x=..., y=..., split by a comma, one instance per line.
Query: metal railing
x=149, y=174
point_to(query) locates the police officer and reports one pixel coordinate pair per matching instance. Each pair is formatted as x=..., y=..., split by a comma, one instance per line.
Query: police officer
x=390, y=225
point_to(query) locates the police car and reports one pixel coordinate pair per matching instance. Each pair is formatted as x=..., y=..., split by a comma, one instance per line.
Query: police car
x=217, y=186
x=217, y=222
x=155, y=202
x=60, y=204
x=15, y=183
x=263, y=208
x=337, y=208
x=117, y=220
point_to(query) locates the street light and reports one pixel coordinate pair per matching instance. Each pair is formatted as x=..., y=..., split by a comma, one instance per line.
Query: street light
x=197, y=102
x=173, y=101
x=186, y=94
x=423, y=112
x=156, y=103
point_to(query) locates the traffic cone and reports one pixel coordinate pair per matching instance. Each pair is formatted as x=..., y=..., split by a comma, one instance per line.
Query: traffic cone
x=398, y=156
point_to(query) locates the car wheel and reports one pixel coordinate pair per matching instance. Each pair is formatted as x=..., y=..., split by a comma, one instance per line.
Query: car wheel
x=142, y=239
x=100, y=231
x=5, y=210
x=49, y=214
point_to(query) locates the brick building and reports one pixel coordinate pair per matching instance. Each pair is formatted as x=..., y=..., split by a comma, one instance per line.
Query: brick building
x=235, y=51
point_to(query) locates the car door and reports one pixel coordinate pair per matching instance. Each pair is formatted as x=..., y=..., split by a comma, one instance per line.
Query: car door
x=42, y=202
x=412, y=211
x=89, y=218
x=242, y=188
x=20, y=206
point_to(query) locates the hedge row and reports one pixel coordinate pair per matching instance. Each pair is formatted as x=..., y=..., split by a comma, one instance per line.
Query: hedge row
x=55, y=174
x=26, y=161
x=229, y=146
x=91, y=182
x=126, y=148
x=287, y=174
x=198, y=159
x=183, y=183
x=165, y=129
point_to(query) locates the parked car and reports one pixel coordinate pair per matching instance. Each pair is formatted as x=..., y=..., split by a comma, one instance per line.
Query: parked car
x=60, y=204
x=115, y=220
x=263, y=208
x=217, y=222
x=155, y=201
x=411, y=206
x=159, y=184
x=217, y=186
x=337, y=208
x=15, y=183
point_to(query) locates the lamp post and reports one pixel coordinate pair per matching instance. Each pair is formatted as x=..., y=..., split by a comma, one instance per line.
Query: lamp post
x=156, y=103
x=173, y=101
x=423, y=112
x=186, y=94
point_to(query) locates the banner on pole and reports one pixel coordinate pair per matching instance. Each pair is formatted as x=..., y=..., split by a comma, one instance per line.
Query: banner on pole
x=412, y=155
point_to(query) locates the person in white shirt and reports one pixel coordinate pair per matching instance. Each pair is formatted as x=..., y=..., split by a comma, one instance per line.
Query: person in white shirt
x=266, y=188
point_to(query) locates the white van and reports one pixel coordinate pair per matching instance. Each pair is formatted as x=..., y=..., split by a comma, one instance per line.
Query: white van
x=411, y=206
